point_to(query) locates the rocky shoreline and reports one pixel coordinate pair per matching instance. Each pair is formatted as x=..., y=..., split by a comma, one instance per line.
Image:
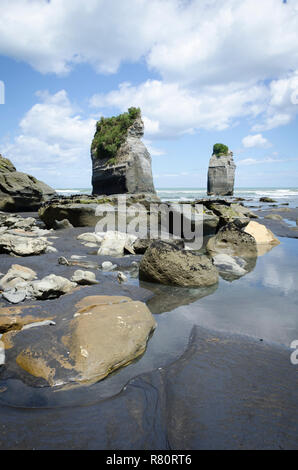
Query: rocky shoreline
x=55, y=264
x=34, y=332
x=83, y=284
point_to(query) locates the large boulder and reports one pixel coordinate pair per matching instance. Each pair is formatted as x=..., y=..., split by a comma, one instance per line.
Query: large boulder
x=233, y=241
x=265, y=239
x=121, y=162
x=104, y=333
x=165, y=263
x=19, y=191
x=221, y=172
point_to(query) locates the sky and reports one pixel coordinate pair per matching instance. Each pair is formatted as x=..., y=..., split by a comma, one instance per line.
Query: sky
x=202, y=72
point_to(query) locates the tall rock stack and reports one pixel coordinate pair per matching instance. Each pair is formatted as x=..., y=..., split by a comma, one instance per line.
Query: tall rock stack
x=121, y=163
x=221, y=173
x=19, y=191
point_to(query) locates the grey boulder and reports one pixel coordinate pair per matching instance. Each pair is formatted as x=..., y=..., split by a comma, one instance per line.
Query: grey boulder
x=19, y=191
x=165, y=263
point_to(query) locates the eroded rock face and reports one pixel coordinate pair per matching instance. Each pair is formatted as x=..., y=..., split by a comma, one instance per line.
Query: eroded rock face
x=165, y=263
x=19, y=191
x=233, y=241
x=221, y=175
x=104, y=334
x=87, y=211
x=130, y=171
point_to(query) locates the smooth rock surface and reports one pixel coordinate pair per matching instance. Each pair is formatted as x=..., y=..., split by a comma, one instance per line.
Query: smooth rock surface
x=261, y=234
x=104, y=334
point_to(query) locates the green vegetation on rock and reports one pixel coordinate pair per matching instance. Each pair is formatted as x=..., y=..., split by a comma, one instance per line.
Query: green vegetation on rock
x=111, y=132
x=220, y=149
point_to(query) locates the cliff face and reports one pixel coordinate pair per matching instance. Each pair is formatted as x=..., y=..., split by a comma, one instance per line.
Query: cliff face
x=221, y=175
x=129, y=171
x=19, y=191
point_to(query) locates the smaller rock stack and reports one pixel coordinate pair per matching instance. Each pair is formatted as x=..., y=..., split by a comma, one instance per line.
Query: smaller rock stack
x=221, y=173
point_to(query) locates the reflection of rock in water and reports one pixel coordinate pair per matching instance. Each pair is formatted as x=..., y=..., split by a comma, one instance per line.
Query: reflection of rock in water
x=249, y=266
x=167, y=298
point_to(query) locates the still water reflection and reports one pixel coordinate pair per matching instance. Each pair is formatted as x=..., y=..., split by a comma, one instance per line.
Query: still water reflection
x=263, y=304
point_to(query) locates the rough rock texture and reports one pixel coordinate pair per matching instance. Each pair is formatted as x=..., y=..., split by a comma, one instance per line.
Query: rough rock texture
x=15, y=274
x=51, y=286
x=141, y=245
x=130, y=171
x=21, y=245
x=19, y=191
x=166, y=264
x=221, y=175
x=233, y=241
x=87, y=211
x=84, y=277
x=114, y=243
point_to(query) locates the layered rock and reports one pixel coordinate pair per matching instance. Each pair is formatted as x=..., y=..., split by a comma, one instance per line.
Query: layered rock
x=221, y=173
x=121, y=162
x=19, y=191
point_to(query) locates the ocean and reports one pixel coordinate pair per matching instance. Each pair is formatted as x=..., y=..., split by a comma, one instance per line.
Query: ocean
x=281, y=195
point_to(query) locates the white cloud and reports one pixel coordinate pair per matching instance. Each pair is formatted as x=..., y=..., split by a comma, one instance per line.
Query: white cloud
x=53, y=36
x=53, y=139
x=282, y=105
x=176, y=110
x=203, y=42
x=255, y=161
x=256, y=140
x=218, y=61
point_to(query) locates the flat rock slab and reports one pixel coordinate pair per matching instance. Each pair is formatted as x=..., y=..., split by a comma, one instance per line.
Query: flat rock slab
x=225, y=392
x=280, y=228
x=101, y=334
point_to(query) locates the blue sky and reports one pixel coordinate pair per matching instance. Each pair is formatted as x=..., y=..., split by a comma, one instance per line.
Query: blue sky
x=202, y=71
